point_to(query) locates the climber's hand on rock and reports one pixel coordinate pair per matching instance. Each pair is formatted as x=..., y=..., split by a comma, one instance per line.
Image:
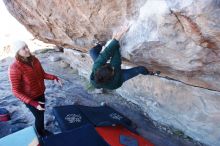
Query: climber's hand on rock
x=119, y=34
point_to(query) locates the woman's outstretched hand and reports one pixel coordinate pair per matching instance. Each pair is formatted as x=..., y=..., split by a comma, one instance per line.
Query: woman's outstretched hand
x=57, y=80
x=119, y=34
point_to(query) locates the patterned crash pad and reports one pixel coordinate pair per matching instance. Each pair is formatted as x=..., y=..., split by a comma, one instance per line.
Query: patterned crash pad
x=69, y=117
x=73, y=116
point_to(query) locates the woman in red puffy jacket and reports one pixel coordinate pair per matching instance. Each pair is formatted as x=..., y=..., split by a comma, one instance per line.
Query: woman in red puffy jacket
x=27, y=76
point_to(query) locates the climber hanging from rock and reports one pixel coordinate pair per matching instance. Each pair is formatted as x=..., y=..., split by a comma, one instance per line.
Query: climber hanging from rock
x=110, y=75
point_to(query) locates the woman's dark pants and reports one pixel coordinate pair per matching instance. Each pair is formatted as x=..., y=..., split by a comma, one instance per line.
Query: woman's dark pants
x=39, y=115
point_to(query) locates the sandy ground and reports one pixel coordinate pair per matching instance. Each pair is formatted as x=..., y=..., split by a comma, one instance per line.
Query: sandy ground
x=76, y=89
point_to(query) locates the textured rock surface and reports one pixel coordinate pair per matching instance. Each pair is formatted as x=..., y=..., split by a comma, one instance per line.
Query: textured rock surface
x=73, y=23
x=193, y=110
x=181, y=38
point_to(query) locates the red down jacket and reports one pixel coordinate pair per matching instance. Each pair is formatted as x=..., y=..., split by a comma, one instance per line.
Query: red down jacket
x=27, y=82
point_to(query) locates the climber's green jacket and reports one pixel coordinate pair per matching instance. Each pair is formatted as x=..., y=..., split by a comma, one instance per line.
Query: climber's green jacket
x=111, y=51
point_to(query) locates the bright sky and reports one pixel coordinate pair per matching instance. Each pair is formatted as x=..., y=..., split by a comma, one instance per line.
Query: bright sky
x=10, y=28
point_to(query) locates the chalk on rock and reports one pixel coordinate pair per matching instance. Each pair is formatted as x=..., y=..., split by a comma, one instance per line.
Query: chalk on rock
x=98, y=91
x=54, y=58
x=64, y=64
x=103, y=103
x=58, y=49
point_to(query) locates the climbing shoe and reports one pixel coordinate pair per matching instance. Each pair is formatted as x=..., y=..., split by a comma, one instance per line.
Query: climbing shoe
x=102, y=43
x=157, y=73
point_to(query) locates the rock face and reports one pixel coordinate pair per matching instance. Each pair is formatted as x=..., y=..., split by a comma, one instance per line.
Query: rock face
x=180, y=38
x=193, y=110
x=72, y=23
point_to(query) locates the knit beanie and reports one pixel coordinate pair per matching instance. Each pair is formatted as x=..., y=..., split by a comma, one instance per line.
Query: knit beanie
x=17, y=45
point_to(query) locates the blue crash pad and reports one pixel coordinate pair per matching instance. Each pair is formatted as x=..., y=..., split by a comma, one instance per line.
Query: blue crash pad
x=104, y=116
x=69, y=117
x=83, y=136
x=73, y=116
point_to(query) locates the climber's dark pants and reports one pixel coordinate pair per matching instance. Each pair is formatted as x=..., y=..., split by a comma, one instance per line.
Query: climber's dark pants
x=126, y=73
x=95, y=51
x=132, y=72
